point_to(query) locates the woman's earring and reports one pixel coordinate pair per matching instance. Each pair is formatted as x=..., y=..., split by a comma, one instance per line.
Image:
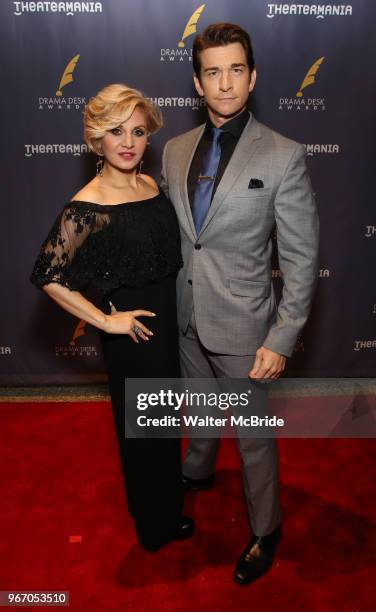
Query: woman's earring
x=140, y=167
x=99, y=166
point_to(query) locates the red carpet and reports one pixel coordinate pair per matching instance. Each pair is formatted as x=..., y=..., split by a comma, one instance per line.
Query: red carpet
x=60, y=477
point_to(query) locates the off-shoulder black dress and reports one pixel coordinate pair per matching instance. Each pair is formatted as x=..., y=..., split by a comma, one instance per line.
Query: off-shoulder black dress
x=131, y=252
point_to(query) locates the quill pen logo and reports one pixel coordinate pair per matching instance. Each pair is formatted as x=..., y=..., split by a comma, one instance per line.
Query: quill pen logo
x=301, y=103
x=190, y=28
x=78, y=332
x=67, y=74
x=181, y=53
x=309, y=78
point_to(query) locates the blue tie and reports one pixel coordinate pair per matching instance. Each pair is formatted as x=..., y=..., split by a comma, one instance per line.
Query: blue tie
x=203, y=193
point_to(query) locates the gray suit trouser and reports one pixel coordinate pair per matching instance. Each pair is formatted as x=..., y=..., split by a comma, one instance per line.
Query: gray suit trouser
x=259, y=455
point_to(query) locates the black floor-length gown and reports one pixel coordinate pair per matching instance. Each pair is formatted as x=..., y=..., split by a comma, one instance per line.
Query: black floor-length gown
x=131, y=252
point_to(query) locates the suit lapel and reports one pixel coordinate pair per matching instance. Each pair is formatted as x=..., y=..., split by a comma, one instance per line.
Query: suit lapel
x=243, y=152
x=186, y=159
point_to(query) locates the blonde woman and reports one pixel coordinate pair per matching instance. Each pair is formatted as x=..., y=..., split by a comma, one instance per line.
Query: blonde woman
x=119, y=234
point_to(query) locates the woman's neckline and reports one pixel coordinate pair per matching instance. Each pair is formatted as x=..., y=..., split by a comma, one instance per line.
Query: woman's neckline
x=130, y=203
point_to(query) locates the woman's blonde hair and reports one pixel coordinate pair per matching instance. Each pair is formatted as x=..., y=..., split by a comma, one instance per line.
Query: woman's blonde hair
x=113, y=105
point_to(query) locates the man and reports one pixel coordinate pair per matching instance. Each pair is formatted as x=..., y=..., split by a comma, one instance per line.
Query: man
x=231, y=180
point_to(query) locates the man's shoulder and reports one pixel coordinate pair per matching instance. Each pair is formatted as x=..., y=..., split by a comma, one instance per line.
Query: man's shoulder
x=185, y=137
x=277, y=141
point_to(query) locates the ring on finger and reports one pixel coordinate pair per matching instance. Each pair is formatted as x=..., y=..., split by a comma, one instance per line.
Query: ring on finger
x=137, y=330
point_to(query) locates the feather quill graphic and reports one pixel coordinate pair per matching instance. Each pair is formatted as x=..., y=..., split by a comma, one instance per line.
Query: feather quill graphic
x=310, y=76
x=190, y=28
x=78, y=332
x=67, y=74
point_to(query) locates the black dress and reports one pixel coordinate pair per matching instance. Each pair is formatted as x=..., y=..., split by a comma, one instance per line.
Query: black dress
x=131, y=252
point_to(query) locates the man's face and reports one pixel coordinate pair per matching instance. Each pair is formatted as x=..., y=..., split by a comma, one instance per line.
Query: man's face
x=225, y=81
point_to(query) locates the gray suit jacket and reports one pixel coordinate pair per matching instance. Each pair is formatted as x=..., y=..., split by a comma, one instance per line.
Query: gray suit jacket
x=231, y=289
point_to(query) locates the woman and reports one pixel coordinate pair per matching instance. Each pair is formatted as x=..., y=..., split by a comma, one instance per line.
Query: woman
x=120, y=234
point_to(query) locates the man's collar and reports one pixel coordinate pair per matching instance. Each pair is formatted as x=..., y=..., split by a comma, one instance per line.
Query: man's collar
x=234, y=127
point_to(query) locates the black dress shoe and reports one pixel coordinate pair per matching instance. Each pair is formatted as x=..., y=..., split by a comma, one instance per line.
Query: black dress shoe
x=184, y=530
x=252, y=566
x=197, y=484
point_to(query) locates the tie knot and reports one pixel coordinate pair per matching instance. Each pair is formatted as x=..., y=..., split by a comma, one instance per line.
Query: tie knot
x=216, y=132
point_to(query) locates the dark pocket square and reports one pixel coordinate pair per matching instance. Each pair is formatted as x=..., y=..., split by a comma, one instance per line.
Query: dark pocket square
x=255, y=184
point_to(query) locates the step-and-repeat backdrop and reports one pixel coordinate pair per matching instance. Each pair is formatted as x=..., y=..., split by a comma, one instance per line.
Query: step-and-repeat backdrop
x=316, y=84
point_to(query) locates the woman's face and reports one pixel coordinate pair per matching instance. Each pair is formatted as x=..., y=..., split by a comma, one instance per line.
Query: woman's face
x=124, y=146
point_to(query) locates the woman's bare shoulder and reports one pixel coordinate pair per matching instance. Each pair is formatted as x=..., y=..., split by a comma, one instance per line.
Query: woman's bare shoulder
x=149, y=180
x=88, y=193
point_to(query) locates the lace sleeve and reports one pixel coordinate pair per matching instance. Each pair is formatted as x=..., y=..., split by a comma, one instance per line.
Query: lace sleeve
x=55, y=262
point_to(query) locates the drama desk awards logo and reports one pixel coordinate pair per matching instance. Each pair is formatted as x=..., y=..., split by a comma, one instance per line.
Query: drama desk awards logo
x=180, y=53
x=300, y=102
x=74, y=348
x=62, y=101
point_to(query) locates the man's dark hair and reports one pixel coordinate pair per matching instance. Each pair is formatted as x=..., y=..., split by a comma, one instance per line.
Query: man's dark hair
x=219, y=35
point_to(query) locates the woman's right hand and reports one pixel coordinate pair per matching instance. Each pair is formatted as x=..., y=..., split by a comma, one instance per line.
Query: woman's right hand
x=119, y=322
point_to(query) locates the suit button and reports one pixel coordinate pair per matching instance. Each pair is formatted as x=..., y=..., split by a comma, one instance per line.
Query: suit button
x=189, y=282
x=197, y=246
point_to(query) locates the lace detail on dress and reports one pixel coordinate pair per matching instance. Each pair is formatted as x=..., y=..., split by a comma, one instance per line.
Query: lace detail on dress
x=105, y=247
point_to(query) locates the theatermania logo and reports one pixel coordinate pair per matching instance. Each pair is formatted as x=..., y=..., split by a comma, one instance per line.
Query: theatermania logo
x=360, y=345
x=180, y=53
x=75, y=149
x=323, y=273
x=320, y=10
x=65, y=8
x=301, y=103
x=75, y=348
x=62, y=100
x=370, y=231
x=322, y=149
x=179, y=102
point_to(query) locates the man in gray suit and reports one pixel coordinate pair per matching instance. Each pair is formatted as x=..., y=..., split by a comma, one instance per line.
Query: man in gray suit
x=231, y=181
